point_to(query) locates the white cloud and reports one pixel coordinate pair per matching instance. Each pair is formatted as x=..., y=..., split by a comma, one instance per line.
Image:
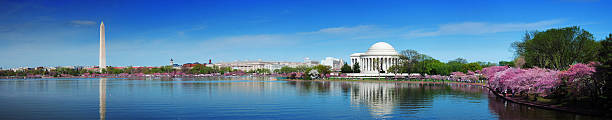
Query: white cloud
x=475, y=28
x=83, y=22
x=194, y=28
x=269, y=40
x=343, y=30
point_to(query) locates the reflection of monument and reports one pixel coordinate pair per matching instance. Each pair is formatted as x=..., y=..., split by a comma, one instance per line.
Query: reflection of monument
x=102, y=86
x=379, y=97
x=102, y=48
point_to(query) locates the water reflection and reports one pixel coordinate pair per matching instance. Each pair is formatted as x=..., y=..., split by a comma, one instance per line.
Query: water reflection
x=380, y=98
x=254, y=98
x=386, y=100
x=512, y=111
x=102, y=86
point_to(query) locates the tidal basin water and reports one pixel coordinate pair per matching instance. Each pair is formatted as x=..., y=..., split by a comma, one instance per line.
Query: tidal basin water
x=253, y=98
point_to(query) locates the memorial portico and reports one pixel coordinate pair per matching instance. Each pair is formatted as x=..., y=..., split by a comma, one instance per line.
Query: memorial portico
x=378, y=58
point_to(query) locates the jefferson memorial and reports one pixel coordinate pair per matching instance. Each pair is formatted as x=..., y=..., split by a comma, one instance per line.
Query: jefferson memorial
x=377, y=59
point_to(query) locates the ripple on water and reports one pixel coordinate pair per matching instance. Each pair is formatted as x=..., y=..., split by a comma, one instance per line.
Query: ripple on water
x=253, y=98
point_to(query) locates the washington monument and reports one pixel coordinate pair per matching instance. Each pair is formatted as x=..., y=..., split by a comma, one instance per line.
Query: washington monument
x=102, y=48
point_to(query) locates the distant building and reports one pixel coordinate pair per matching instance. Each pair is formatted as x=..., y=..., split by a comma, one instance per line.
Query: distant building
x=334, y=63
x=173, y=65
x=309, y=62
x=171, y=62
x=271, y=65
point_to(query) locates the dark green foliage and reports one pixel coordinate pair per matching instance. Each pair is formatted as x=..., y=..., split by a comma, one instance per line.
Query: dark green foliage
x=414, y=62
x=472, y=66
x=395, y=69
x=557, y=48
x=261, y=71
x=346, y=68
x=223, y=70
x=506, y=63
x=486, y=64
x=604, y=71
x=356, y=68
x=198, y=69
x=457, y=65
x=306, y=75
x=302, y=68
x=322, y=69
x=287, y=69
x=429, y=66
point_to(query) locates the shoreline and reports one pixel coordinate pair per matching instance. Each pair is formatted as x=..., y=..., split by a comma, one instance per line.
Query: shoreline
x=23, y=78
x=588, y=112
x=392, y=81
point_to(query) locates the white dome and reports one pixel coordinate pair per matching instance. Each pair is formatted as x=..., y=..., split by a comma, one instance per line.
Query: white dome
x=381, y=48
x=356, y=54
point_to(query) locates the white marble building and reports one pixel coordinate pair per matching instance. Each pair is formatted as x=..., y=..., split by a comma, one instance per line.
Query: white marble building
x=334, y=63
x=271, y=65
x=379, y=57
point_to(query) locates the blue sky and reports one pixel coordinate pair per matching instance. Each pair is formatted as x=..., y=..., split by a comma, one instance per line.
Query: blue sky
x=149, y=33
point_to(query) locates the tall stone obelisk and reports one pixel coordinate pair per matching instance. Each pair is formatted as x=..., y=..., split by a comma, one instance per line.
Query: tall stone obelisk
x=102, y=48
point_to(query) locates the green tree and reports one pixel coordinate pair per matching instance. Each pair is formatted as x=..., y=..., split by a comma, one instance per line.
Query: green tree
x=557, y=48
x=395, y=69
x=156, y=70
x=302, y=68
x=604, y=71
x=223, y=70
x=129, y=70
x=457, y=65
x=322, y=69
x=166, y=69
x=414, y=62
x=287, y=69
x=356, y=68
x=346, y=68
x=262, y=71
x=472, y=66
x=440, y=68
x=206, y=70
x=430, y=66
x=412, y=55
x=306, y=75
x=506, y=63
x=486, y=64
x=197, y=69
x=115, y=71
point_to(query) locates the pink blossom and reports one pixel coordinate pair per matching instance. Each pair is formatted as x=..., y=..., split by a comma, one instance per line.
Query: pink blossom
x=578, y=71
x=489, y=72
x=470, y=72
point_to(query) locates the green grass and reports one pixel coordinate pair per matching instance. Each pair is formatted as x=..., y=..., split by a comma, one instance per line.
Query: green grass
x=382, y=79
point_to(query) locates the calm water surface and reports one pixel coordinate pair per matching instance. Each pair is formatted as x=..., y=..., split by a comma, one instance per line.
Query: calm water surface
x=253, y=98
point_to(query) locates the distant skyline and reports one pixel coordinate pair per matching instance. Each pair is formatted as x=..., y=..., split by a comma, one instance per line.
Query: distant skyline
x=146, y=33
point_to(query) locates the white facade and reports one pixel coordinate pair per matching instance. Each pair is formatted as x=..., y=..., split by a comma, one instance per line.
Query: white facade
x=311, y=62
x=379, y=57
x=254, y=65
x=334, y=63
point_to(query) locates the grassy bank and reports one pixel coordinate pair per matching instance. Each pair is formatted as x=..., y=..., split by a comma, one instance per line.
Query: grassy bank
x=392, y=81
